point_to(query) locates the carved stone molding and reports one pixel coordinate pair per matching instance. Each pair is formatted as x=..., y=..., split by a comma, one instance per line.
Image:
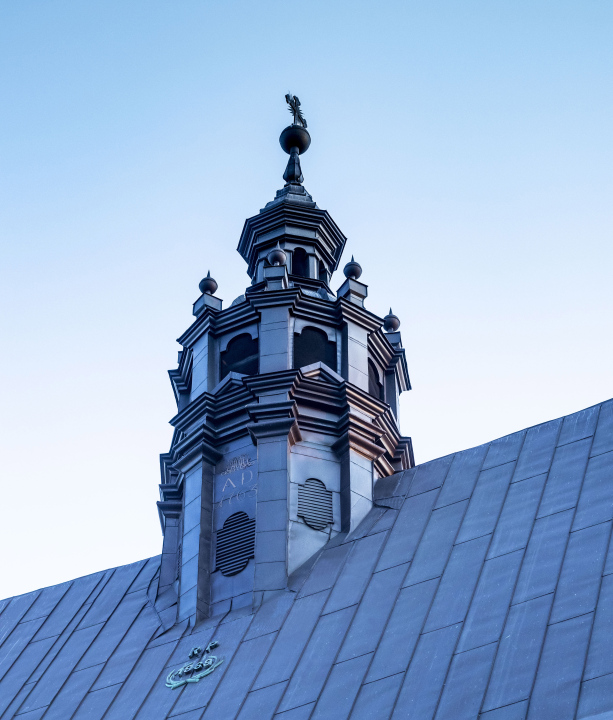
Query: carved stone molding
x=194, y=448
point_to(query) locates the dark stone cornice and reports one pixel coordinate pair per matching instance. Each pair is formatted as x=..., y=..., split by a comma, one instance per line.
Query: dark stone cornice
x=196, y=410
x=390, y=357
x=359, y=437
x=180, y=377
x=273, y=420
x=195, y=330
x=199, y=444
x=402, y=369
x=379, y=348
x=165, y=467
x=282, y=380
x=233, y=318
x=348, y=311
x=170, y=508
x=317, y=399
x=317, y=310
x=273, y=298
x=217, y=322
x=286, y=220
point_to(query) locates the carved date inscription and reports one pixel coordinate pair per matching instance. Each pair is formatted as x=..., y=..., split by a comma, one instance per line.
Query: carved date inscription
x=238, y=478
x=202, y=663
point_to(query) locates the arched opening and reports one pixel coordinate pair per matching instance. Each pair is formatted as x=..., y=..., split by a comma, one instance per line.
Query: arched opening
x=300, y=262
x=375, y=386
x=311, y=346
x=241, y=356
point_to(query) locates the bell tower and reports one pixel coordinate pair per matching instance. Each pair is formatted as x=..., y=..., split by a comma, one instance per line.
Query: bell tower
x=287, y=410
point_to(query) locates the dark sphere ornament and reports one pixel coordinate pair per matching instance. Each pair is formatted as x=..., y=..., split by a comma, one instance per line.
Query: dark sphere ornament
x=208, y=285
x=391, y=322
x=352, y=270
x=277, y=256
x=295, y=136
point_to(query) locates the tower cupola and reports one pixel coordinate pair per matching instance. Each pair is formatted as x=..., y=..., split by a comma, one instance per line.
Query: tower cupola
x=287, y=410
x=311, y=240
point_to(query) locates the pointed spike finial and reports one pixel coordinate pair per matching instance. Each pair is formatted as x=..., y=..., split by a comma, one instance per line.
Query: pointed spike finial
x=277, y=256
x=391, y=322
x=207, y=285
x=352, y=269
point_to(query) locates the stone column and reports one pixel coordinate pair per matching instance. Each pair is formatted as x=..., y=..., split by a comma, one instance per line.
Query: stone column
x=274, y=339
x=357, y=452
x=171, y=511
x=196, y=459
x=273, y=437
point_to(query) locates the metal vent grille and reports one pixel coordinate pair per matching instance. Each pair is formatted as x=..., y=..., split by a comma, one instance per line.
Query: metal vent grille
x=235, y=544
x=315, y=504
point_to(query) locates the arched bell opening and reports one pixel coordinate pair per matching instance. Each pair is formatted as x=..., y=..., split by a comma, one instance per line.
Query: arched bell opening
x=241, y=356
x=375, y=386
x=312, y=346
x=300, y=263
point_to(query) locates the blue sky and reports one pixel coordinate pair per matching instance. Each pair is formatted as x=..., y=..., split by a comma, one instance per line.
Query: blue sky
x=463, y=147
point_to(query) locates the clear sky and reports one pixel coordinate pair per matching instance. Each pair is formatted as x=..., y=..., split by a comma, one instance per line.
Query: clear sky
x=464, y=147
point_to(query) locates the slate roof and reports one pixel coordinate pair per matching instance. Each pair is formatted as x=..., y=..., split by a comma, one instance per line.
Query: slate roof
x=481, y=586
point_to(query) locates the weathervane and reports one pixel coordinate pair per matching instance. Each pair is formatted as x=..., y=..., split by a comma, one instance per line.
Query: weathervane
x=295, y=140
x=294, y=108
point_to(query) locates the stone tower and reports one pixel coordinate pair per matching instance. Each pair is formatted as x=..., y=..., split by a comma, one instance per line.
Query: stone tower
x=287, y=410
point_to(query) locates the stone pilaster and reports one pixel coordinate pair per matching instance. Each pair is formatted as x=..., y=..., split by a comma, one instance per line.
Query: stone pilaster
x=273, y=430
x=196, y=459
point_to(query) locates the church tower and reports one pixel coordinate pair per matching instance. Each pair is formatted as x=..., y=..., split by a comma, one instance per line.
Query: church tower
x=287, y=411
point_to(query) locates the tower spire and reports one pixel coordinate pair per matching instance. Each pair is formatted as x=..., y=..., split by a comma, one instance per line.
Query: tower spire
x=295, y=140
x=287, y=411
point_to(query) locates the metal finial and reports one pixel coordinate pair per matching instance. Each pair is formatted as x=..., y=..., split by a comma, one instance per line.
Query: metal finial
x=208, y=285
x=295, y=140
x=391, y=322
x=352, y=269
x=294, y=108
x=277, y=256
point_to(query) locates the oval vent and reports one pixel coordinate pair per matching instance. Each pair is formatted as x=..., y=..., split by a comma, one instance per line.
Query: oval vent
x=235, y=544
x=315, y=504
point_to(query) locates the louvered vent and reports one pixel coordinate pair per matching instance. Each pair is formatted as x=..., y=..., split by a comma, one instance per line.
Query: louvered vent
x=235, y=544
x=315, y=504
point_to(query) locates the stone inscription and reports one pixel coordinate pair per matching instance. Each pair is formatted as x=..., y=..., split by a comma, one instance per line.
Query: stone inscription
x=201, y=663
x=237, y=481
x=238, y=463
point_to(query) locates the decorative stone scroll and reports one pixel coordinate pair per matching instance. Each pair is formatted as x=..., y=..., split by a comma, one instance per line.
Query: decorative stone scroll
x=238, y=463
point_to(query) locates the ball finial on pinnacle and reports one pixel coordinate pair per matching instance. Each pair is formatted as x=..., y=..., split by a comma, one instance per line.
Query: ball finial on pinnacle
x=391, y=322
x=352, y=270
x=295, y=140
x=277, y=256
x=207, y=285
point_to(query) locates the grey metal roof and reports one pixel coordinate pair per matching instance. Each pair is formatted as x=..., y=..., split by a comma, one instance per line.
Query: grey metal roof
x=481, y=586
